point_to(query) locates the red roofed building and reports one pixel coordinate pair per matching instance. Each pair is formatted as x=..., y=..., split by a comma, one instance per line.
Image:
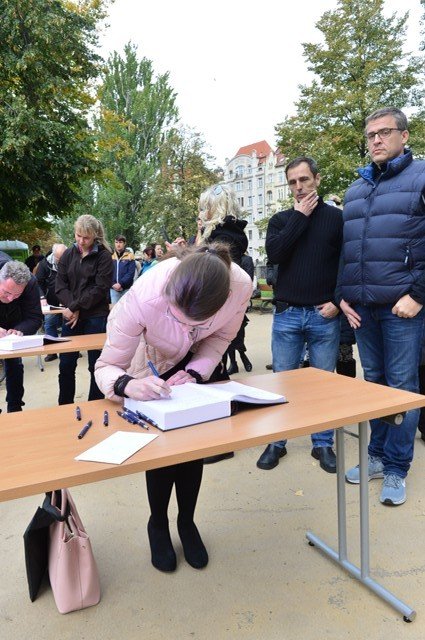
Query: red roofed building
x=257, y=175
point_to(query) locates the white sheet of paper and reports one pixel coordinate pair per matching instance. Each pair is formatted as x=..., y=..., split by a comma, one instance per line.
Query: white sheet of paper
x=117, y=448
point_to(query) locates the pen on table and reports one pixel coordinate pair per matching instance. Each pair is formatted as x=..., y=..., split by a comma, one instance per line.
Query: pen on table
x=136, y=418
x=85, y=429
x=105, y=418
x=131, y=419
x=78, y=413
x=146, y=419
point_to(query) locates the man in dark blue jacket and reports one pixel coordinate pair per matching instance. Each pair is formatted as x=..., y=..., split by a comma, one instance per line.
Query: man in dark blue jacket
x=20, y=313
x=124, y=269
x=381, y=285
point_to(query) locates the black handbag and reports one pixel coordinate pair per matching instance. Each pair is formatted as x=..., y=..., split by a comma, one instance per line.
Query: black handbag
x=36, y=542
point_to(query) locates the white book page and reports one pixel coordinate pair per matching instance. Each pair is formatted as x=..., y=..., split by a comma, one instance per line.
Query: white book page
x=243, y=392
x=118, y=447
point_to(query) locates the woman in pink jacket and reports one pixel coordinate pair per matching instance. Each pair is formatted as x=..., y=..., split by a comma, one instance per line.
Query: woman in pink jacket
x=181, y=316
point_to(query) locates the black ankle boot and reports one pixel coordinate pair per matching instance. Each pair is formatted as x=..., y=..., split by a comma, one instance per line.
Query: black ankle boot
x=233, y=368
x=245, y=361
x=163, y=554
x=193, y=548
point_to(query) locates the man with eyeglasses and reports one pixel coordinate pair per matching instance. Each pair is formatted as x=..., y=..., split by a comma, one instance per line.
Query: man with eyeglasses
x=20, y=314
x=381, y=285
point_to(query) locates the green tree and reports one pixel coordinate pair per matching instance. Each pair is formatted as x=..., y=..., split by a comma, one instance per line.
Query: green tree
x=136, y=111
x=185, y=172
x=47, y=62
x=359, y=66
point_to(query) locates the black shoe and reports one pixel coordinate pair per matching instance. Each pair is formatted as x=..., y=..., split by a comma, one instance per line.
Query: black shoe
x=269, y=459
x=269, y=367
x=233, y=368
x=246, y=362
x=193, y=548
x=50, y=357
x=217, y=458
x=162, y=551
x=326, y=457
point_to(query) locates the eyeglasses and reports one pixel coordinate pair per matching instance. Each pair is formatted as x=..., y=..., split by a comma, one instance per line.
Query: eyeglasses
x=192, y=327
x=381, y=133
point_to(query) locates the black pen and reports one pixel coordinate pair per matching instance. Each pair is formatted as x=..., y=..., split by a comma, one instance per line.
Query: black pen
x=78, y=413
x=146, y=419
x=105, y=418
x=85, y=429
x=133, y=416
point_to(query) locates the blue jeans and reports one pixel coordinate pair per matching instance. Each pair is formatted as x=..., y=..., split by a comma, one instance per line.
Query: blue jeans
x=292, y=329
x=52, y=322
x=14, y=370
x=389, y=349
x=116, y=295
x=68, y=361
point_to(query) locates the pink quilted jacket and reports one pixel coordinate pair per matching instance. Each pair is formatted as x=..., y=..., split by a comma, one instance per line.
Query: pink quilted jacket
x=139, y=330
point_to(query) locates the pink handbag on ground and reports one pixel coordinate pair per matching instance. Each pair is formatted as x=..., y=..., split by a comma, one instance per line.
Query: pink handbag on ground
x=72, y=568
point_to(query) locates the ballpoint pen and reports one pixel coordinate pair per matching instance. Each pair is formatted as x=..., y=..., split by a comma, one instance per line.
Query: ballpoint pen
x=135, y=417
x=78, y=413
x=153, y=368
x=147, y=419
x=131, y=419
x=85, y=429
x=105, y=418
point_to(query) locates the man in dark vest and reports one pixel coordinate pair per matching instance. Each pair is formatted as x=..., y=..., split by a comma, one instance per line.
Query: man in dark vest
x=305, y=243
x=20, y=313
x=381, y=285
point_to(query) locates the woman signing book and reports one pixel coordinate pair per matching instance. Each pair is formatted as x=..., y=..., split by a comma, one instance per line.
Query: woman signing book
x=181, y=316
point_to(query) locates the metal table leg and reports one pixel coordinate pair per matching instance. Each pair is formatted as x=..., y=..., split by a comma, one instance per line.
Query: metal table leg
x=362, y=574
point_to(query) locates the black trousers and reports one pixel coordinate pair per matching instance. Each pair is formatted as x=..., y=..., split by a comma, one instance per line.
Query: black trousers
x=186, y=477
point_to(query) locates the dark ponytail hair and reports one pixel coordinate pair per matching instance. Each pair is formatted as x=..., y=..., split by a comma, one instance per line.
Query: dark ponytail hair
x=200, y=284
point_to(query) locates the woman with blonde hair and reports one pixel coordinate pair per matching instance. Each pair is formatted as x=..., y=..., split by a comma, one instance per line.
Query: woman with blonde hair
x=82, y=286
x=181, y=316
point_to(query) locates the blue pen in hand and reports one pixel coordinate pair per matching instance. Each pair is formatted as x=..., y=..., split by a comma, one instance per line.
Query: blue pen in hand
x=85, y=429
x=153, y=368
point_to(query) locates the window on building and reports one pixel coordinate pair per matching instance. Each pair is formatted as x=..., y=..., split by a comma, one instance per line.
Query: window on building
x=239, y=171
x=240, y=200
x=260, y=198
x=250, y=235
x=269, y=196
x=260, y=182
x=280, y=195
x=260, y=213
x=250, y=201
x=270, y=178
x=249, y=185
x=250, y=218
x=249, y=170
x=280, y=177
x=239, y=186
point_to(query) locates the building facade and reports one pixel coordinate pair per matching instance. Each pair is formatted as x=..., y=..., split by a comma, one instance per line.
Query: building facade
x=257, y=175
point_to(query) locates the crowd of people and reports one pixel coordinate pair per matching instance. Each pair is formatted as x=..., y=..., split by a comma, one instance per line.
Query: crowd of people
x=338, y=277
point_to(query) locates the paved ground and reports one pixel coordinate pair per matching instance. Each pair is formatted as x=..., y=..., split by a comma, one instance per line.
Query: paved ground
x=263, y=580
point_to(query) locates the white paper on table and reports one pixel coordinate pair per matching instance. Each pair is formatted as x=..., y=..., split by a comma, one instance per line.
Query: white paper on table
x=117, y=448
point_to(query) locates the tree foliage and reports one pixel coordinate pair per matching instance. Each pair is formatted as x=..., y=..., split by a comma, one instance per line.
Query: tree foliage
x=47, y=62
x=359, y=66
x=185, y=172
x=136, y=111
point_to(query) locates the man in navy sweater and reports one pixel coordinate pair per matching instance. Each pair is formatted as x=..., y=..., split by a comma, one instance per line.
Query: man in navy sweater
x=381, y=285
x=305, y=243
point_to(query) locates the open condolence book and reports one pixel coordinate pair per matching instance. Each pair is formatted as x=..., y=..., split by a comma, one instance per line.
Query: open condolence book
x=12, y=342
x=193, y=403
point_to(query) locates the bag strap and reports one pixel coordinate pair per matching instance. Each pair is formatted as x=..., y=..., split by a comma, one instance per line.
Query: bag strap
x=52, y=505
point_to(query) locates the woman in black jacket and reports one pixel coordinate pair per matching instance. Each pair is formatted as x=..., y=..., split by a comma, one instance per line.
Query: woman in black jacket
x=82, y=285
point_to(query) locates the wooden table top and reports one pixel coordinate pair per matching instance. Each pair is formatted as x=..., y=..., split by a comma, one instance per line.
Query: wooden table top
x=75, y=343
x=38, y=446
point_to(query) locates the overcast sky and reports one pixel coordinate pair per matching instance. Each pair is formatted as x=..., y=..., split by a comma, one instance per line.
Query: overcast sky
x=235, y=64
